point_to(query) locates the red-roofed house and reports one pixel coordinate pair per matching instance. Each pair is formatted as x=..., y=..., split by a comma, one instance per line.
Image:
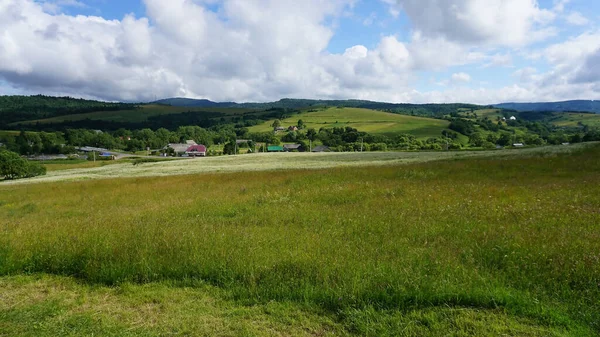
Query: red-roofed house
x=196, y=151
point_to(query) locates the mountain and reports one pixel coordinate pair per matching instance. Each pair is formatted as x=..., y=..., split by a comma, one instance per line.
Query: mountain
x=570, y=106
x=293, y=103
x=194, y=103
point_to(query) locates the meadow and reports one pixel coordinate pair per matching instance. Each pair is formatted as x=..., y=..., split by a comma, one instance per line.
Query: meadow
x=364, y=120
x=123, y=168
x=467, y=246
x=573, y=119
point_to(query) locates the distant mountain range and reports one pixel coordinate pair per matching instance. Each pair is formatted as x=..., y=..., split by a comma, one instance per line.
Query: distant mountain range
x=575, y=106
x=570, y=106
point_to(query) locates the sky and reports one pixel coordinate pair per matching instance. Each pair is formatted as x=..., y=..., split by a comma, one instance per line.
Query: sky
x=413, y=51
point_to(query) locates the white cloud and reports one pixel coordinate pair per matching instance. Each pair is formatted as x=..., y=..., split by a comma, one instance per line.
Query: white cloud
x=493, y=22
x=258, y=50
x=461, y=78
x=577, y=19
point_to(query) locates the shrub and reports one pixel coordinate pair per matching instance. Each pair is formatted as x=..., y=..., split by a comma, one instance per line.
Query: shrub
x=12, y=166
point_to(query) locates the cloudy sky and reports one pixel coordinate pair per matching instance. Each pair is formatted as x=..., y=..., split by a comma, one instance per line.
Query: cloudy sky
x=476, y=51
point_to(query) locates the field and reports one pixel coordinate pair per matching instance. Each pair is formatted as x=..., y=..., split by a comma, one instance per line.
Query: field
x=573, y=119
x=365, y=120
x=498, y=243
x=258, y=162
x=133, y=116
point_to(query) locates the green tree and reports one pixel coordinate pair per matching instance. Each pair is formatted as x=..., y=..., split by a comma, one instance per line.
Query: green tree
x=300, y=124
x=12, y=166
x=276, y=123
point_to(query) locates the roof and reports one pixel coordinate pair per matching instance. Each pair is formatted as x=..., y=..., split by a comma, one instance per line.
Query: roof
x=242, y=141
x=321, y=148
x=91, y=149
x=196, y=148
x=292, y=146
x=274, y=148
x=179, y=147
x=190, y=142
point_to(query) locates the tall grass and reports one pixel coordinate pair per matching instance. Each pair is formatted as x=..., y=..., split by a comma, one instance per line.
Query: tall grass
x=520, y=235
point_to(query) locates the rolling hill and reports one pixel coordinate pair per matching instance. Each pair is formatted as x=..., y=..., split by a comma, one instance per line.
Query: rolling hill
x=371, y=121
x=566, y=106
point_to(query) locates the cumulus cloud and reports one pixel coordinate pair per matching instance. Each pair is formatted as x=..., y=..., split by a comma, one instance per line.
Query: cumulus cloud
x=258, y=50
x=504, y=22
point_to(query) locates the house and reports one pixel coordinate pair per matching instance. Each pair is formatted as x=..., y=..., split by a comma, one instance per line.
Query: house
x=178, y=148
x=91, y=149
x=196, y=151
x=274, y=148
x=513, y=118
x=292, y=147
x=107, y=156
x=321, y=148
x=293, y=128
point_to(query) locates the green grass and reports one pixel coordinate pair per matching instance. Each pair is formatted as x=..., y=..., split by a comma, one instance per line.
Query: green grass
x=365, y=120
x=464, y=247
x=573, y=119
x=132, y=116
x=265, y=162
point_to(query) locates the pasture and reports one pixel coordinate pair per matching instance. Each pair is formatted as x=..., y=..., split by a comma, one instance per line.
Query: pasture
x=365, y=120
x=574, y=119
x=260, y=162
x=500, y=243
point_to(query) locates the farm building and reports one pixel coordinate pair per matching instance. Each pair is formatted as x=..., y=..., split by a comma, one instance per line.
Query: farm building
x=178, y=148
x=321, y=148
x=293, y=148
x=279, y=128
x=293, y=128
x=274, y=148
x=196, y=151
x=518, y=144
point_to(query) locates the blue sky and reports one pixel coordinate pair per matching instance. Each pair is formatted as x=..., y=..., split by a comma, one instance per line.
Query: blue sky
x=255, y=50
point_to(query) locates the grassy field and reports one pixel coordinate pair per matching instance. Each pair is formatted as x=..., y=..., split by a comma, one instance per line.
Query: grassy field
x=365, y=120
x=138, y=115
x=263, y=162
x=482, y=246
x=573, y=119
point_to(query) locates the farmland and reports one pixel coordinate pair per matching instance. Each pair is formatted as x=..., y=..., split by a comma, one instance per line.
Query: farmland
x=496, y=243
x=365, y=120
x=65, y=171
x=573, y=119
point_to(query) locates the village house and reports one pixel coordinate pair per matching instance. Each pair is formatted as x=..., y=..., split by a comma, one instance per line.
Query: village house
x=274, y=148
x=293, y=148
x=196, y=151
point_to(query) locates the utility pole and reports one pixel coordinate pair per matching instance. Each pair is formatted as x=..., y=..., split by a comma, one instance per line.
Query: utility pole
x=310, y=145
x=361, y=144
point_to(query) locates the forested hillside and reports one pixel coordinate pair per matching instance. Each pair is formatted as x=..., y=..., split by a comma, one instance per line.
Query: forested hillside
x=23, y=108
